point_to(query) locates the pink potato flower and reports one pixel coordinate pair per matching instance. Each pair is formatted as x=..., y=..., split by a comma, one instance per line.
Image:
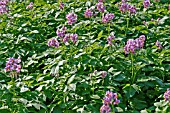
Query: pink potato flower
x=13, y=65
x=158, y=44
x=133, y=45
x=61, y=5
x=108, y=17
x=100, y=7
x=72, y=18
x=109, y=99
x=30, y=6
x=88, y=13
x=146, y=3
x=53, y=42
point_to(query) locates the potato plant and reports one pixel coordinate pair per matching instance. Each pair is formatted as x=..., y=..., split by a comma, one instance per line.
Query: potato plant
x=105, y=56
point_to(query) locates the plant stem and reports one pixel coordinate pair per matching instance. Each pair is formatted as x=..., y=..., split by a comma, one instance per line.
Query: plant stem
x=113, y=108
x=127, y=25
x=64, y=98
x=102, y=82
x=133, y=75
x=132, y=66
x=92, y=85
x=109, y=29
x=74, y=4
x=101, y=16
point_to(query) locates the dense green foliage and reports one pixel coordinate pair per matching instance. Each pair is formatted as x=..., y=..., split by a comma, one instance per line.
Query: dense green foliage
x=56, y=80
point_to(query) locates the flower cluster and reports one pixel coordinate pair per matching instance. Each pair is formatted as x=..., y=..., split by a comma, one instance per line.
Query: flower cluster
x=30, y=6
x=72, y=37
x=125, y=7
x=169, y=7
x=72, y=18
x=13, y=65
x=53, y=42
x=167, y=95
x=61, y=32
x=145, y=23
x=132, y=44
x=146, y=3
x=156, y=21
x=105, y=109
x=110, y=98
x=4, y=2
x=103, y=74
x=100, y=7
x=108, y=17
x=64, y=37
x=88, y=13
x=132, y=9
x=61, y=5
x=110, y=38
x=3, y=7
x=158, y=44
x=95, y=72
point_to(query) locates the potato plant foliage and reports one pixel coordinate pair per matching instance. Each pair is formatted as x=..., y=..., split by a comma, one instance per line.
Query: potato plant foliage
x=68, y=54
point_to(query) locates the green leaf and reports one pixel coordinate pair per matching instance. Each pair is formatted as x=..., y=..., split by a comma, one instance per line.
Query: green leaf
x=100, y=35
x=34, y=32
x=118, y=109
x=72, y=87
x=60, y=63
x=80, y=110
x=138, y=104
x=2, y=110
x=37, y=106
x=17, y=15
x=95, y=97
x=129, y=91
x=161, y=21
x=24, y=89
x=25, y=38
x=28, y=77
x=70, y=79
x=24, y=101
